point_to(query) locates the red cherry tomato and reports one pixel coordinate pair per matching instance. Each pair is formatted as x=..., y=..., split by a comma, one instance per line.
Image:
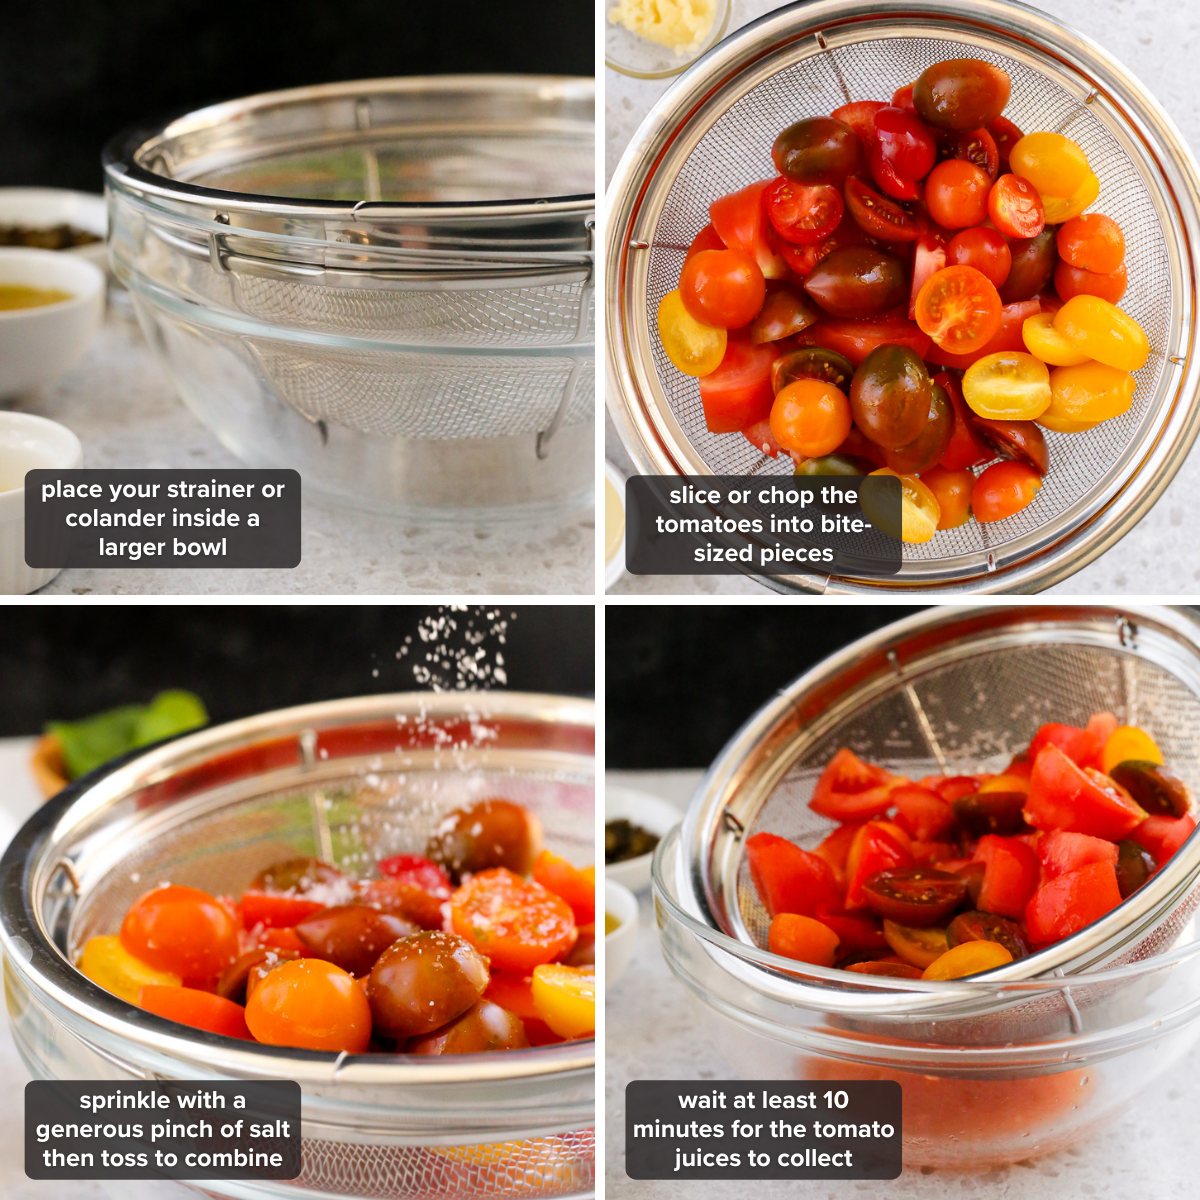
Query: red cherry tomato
x=1072, y=281
x=884, y=174
x=971, y=145
x=1016, y=208
x=803, y=213
x=706, y=239
x=310, y=1004
x=906, y=143
x=1068, y=903
x=878, y=216
x=965, y=449
x=952, y=490
x=1007, y=337
x=1006, y=135
x=1004, y=489
x=739, y=391
x=860, y=116
x=182, y=930
x=1092, y=242
x=789, y=879
x=982, y=248
x=417, y=869
x=960, y=309
x=722, y=288
x=903, y=98
x=956, y=194
x=1065, y=796
x=740, y=221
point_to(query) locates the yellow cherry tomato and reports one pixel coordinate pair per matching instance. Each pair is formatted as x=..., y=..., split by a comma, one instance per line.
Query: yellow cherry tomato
x=919, y=509
x=565, y=998
x=1009, y=386
x=967, y=958
x=1084, y=395
x=1104, y=332
x=695, y=349
x=106, y=962
x=1063, y=208
x=1054, y=164
x=918, y=946
x=1005, y=783
x=1043, y=341
x=1129, y=743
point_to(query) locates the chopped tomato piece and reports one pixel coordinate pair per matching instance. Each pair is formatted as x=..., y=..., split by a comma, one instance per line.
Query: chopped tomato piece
x=275, y=911
x=835, y=848
x=856, y=339
x=1102, y=726
x=857, y=934
x=1065, y=796
x=1068, y=903
x=851, y=790
x=874, y=849
x=1080, y=746
x=954, y=787
x=1160, y=837
x=200, y=1010
x=789, y=879
x=965, y=448
x=921, y=812
x=1010, y=875
x=1060, y=852
x=577, y=887
x=739, y=393
x=759, y=435
x=740, y=221
x=928, y=259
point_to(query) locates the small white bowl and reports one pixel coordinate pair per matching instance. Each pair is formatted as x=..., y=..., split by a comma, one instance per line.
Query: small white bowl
x=42, y=208
x=27, y=443
x=620, y=903
x=650, y=813
x=37, y=345
x=614, y=567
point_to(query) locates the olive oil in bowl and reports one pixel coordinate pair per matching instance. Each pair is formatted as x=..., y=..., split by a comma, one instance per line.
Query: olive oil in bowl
x=21, y=295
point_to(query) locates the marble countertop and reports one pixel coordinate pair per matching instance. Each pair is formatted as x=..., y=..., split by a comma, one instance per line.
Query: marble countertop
x=653, y=1032
x=121, y=404
x=1157, y=43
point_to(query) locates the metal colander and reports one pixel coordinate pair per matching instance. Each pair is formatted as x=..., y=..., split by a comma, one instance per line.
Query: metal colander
x=385, y=284
x=956, y=692
x=351, y=782
x=711, y=133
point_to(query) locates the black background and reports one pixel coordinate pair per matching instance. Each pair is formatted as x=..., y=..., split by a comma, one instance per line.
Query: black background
x=681, y=679
x=75, y=72
x=59, y=663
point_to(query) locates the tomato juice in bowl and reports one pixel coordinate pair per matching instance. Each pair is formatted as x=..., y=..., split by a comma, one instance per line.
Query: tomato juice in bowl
x=346, y=782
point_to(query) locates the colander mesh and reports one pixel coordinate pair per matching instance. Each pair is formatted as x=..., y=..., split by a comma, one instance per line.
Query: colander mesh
x=982, y=709
x=735, y=152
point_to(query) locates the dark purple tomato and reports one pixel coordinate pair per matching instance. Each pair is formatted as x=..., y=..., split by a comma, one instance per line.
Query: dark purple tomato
x=991, y=812
x=858, y=281
x=234, y=979
x=484, y=1026
x=812, y=362
x=987, y=927
x=492, y=833
x=783, y=313
x=817, y=150
x=1134, y=867
x=961, y=93
x=1158, y=790
x=916, y=896
x=1022, y=441
x=931, y=443
x=1033, y=263
x=423, y=982
x=890, y=396
x=352, y=936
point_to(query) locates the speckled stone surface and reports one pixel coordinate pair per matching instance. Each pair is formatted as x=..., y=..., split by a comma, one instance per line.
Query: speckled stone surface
x=652, y=1032
x=1157, y=42
x=126, y=412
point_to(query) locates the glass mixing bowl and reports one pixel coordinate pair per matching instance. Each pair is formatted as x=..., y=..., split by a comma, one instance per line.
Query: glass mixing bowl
x=350, y=781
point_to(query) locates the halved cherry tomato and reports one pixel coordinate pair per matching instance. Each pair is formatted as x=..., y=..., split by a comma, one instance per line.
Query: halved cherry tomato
x=810, y=417
x=906, y=143
x=894, y=967
x=182, y=930
x=706, y=239
x=1060, y=209
x=1072, y=281
x=1006, y=136
x=1015, y=207
x=956, y=194
x=968, y=958
x=802, y=938
x=959, y=308
x=856, y=339
x=789, y=879
x=694, y=348
x=953, y=492
x=919, y=512
x=975, y=146
x=852, y=790
x=1065, y=796
x=1162, y=836
x=1082, y=396
x=879, y=216
x=802, y=212
x=1043, y=341
x=1003, y=490
x=918, y=946
x=965, y=449
x=1068, y=902
x=874, y=849
x=1060, y=851
x=106, y=962
x=738, y=392
x=929, y=257
x=884, y=174
x=722, y=288
x=1081, y=746
x=1010, y=875
x=1033, y=265
x=1007, y=337
x=1011, y=386
x=1128, y=742
x=860, y=116
x=913, y=895
x=1099, y=328
x=921, y=812
x=741, y=222
x=984, y=249
x=570, y=883
x=417, y=869
x=200, y=1010
x=1093, y=242
x=784, y=312
x=987, y=927
x=516, y=923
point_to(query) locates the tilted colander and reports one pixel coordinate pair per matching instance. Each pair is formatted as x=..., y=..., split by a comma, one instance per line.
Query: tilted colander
x=385, y=284
x=350, y=781
x=711, y=133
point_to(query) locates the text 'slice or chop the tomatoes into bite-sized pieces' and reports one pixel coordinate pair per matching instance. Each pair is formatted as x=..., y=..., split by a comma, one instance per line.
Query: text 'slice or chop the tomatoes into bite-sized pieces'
x=949, y=876
x=484, y=943
x=918, y=291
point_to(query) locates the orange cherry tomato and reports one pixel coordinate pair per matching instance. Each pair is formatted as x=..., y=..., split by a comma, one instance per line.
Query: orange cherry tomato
x=310, y=1004
x=722, y=288
x=182, y=930
x=952, y=490
x=981, y=248
x=517, y=924
x=959, y=308
x=1004, y=489
x=1071, y=281
x=811, y=417
x=200, y=1010
x=1016, y=208
x=577, y=887
x=1093, y=242
x=802, y=938
x=956, y=194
